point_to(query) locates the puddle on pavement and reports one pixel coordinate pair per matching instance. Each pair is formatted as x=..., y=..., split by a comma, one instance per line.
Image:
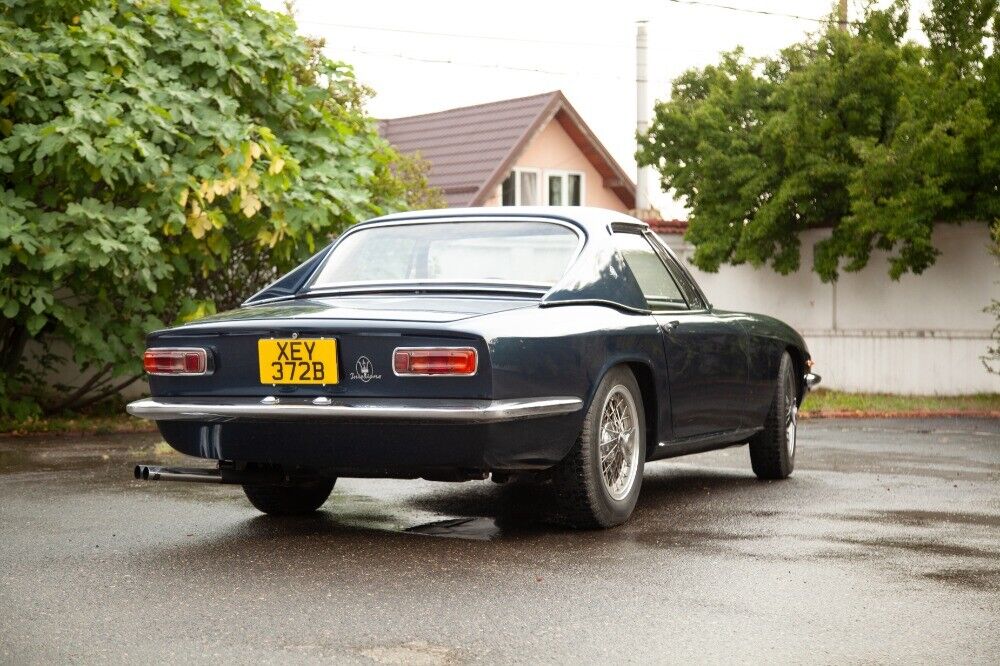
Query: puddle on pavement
x=370, y=513
x=923, y=547
x=480, y=529
x=22, y=460
x=915, y=518
x=987, y=580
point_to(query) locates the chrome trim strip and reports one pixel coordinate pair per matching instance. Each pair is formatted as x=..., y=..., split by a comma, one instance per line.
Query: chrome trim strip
x=463, y=288
x=601, y=302
x=421, y=283
x=386, y=409
x=457, y=290
x=811, y=380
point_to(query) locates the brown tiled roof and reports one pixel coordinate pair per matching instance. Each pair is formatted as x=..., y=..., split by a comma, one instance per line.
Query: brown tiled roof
x=471, y=149
x=667, y=226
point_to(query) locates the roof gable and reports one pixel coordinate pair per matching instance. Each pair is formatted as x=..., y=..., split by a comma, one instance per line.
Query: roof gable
x=471, y=149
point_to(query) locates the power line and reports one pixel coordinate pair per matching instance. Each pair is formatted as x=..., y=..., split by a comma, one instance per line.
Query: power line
x=498, y=38
x=443, y=61
x=748, y=10
x=528, y=40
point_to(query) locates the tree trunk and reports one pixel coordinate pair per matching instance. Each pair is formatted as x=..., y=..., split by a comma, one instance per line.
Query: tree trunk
x=76, y=395
x=106, y=393
x=13, y=338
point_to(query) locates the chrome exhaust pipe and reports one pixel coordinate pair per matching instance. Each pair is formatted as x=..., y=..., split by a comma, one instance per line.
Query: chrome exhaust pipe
x=226, y=472
x=190, y=474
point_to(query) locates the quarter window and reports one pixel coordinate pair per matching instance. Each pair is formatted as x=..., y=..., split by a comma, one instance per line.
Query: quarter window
x=654, y=279
x=680, y=274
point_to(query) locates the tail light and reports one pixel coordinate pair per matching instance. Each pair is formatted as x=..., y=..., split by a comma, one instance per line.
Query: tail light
x=176, y=361
x=435, y=361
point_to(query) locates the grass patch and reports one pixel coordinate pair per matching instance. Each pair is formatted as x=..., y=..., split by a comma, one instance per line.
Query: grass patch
x=102, y=419
x=822, y=401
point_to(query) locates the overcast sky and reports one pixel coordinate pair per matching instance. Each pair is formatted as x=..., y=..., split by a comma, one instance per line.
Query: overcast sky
x=434, y=55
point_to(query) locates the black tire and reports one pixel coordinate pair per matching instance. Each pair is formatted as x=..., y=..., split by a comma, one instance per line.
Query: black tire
x=289, y=500
x=582, y=499
x=772, y=450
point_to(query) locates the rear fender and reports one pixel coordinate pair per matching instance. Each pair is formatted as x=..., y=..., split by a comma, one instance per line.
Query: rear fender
x=655, y=393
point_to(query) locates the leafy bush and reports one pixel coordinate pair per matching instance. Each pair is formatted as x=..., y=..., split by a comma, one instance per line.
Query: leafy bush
x=159, y=160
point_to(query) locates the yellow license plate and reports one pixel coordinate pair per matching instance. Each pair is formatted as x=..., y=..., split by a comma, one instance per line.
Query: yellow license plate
x=301, y=361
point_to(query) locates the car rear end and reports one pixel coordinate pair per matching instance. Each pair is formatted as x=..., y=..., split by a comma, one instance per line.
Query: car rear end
x=348, y=397
x=372, y=362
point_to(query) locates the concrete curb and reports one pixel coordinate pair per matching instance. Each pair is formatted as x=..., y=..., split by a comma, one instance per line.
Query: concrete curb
x=906, y=414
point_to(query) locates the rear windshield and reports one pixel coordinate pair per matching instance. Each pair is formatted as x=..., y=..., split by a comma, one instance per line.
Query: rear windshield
x=517, y=253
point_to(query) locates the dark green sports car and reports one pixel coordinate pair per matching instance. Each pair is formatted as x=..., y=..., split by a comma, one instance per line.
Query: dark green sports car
x=565, y=347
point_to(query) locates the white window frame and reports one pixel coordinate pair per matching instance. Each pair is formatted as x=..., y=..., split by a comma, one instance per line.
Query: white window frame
x=564, y=175
x=539, y=187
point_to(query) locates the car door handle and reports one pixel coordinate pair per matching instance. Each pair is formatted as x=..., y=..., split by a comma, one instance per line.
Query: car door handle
x=669, y=326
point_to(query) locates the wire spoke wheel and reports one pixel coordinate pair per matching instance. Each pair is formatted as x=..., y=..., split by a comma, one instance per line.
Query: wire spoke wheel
x=619, y=442
x=772, y=449
x=791, y=415
x=597, y=484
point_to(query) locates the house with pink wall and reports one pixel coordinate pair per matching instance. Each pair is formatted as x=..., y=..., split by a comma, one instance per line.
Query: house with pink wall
x=528, y=151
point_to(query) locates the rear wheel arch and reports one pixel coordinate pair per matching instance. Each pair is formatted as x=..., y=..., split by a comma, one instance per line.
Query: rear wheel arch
x=643, y=374
x=799, y=368
x=642, y=370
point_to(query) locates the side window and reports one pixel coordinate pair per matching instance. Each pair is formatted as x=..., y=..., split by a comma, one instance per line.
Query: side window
x=657, y=285
x=682, y=276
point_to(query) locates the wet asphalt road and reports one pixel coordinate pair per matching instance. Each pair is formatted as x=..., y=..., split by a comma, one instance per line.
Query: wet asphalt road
x=883, y=547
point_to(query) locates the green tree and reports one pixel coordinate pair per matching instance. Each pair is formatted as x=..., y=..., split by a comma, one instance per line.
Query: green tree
x=159, y=160
x=409, y=173
x=859, y=130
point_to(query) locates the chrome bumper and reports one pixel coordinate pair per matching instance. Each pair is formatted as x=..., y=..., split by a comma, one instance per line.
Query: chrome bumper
x=811, y=380
x=396, y=409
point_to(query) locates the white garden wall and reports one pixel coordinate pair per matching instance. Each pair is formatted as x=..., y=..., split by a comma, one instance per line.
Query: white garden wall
x=923, y=334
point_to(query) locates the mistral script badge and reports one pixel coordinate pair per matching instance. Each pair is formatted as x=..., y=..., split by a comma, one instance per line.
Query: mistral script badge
x=364, y=370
